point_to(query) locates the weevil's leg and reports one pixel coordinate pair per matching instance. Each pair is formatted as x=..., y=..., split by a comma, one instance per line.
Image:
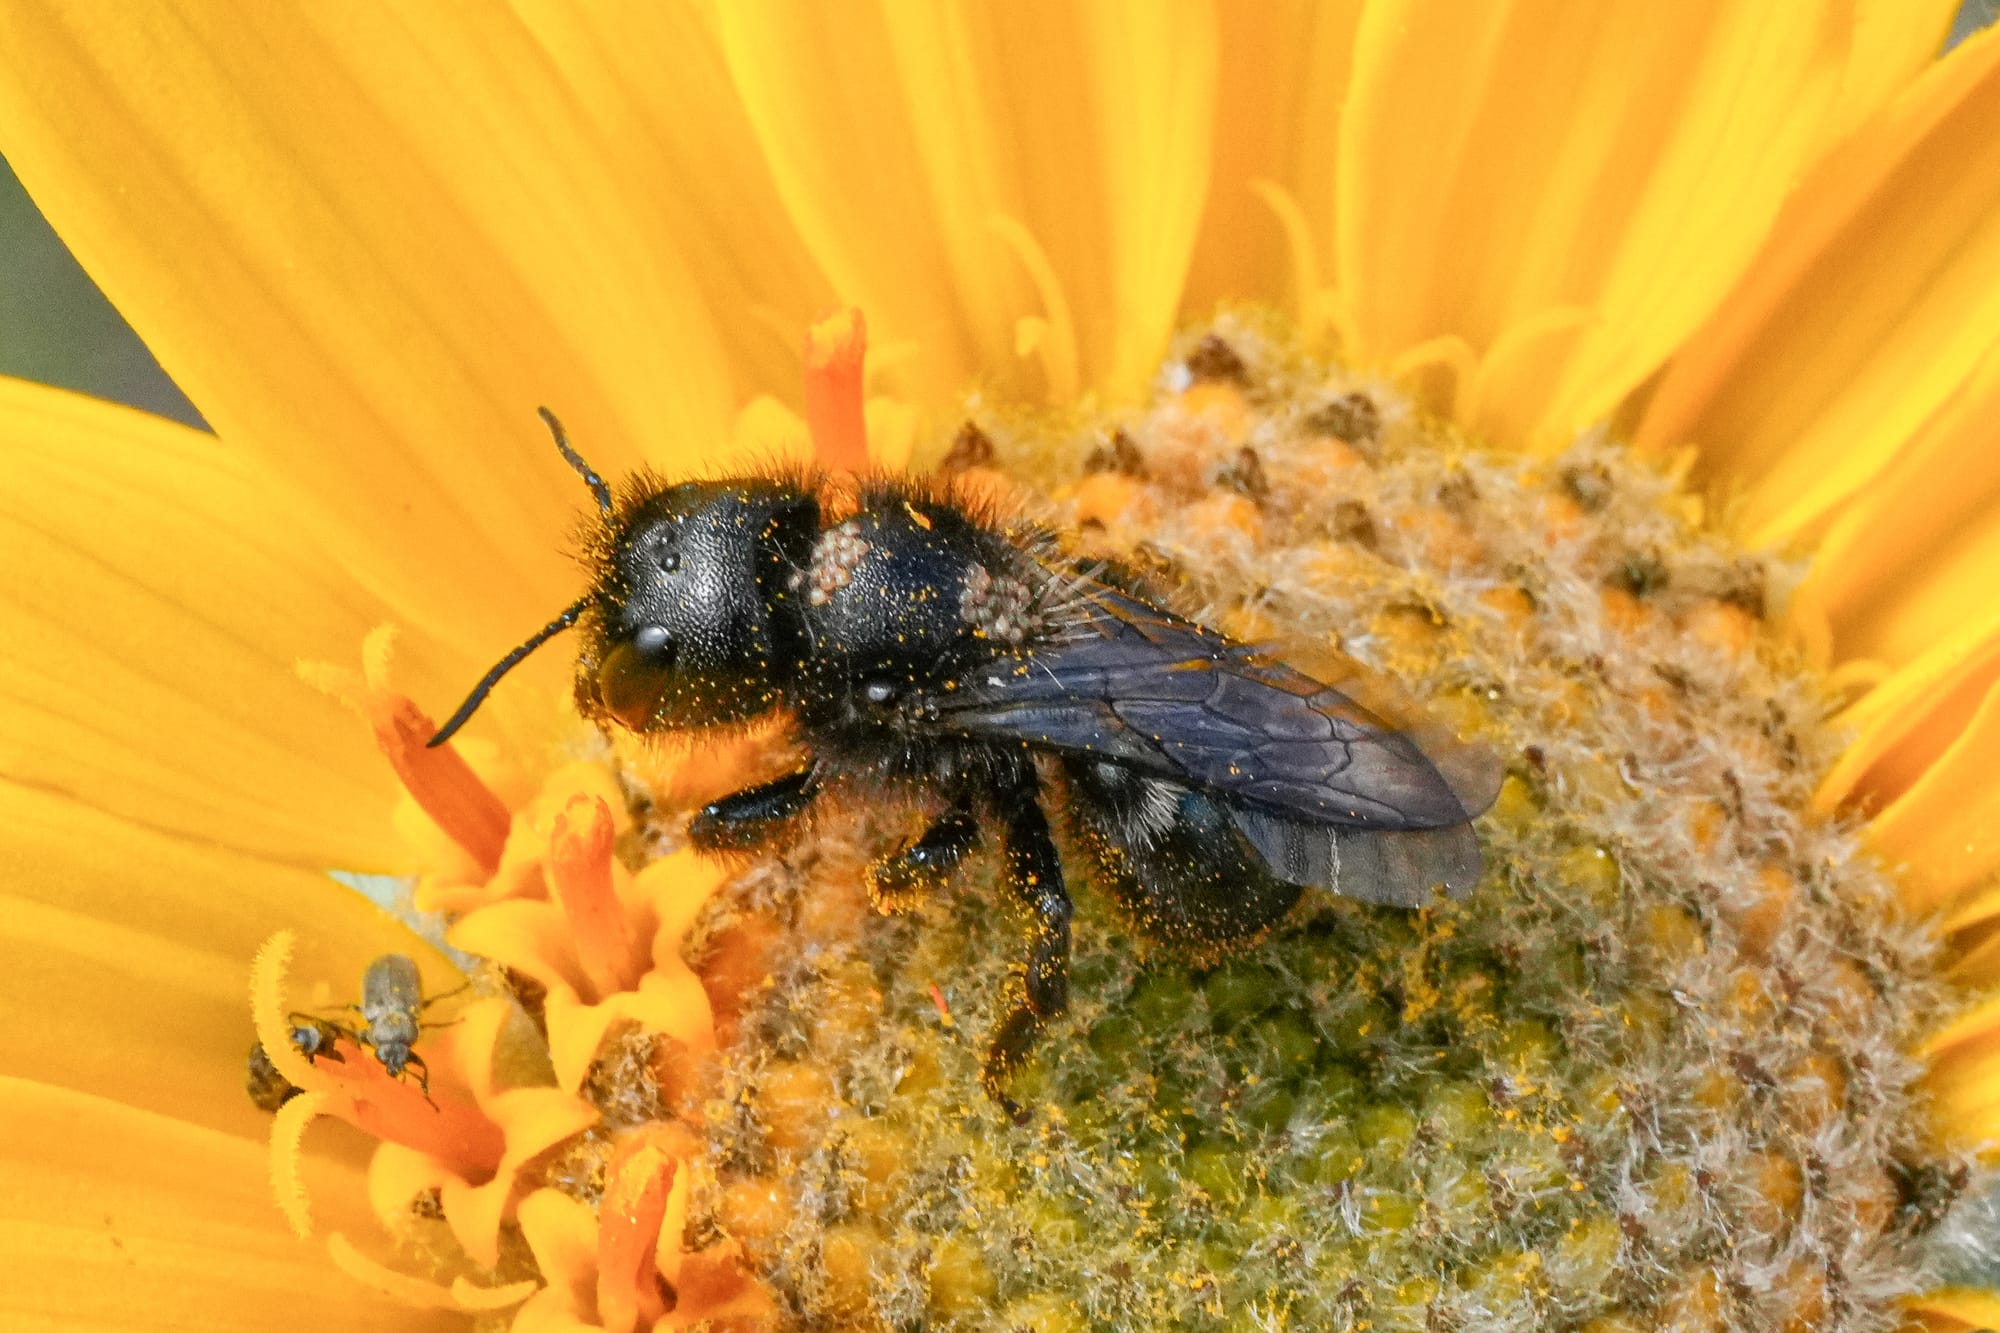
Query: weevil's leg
x=416, y=1062
x=1034, y=872
x=898, y=880
x=755, y=817
x=460, y=988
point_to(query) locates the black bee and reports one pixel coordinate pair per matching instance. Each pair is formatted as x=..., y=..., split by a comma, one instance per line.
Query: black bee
x=918, y=644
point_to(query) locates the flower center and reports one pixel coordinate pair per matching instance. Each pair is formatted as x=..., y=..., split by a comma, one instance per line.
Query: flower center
x=1651, y=1072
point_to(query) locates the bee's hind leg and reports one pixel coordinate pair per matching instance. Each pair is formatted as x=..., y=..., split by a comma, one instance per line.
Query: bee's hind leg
x=756, y=817
x=898, y=880
x=1034, y=873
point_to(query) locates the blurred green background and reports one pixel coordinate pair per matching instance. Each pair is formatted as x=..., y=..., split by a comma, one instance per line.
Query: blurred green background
x=56, y=328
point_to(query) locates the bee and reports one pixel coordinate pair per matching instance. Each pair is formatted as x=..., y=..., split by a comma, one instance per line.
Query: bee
x=917, y=643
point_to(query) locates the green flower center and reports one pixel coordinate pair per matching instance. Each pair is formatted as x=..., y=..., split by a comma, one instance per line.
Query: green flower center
x=1652, y=1072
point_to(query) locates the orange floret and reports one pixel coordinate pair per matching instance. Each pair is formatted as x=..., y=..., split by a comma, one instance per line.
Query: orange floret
x=439, y=780
x=836, y=351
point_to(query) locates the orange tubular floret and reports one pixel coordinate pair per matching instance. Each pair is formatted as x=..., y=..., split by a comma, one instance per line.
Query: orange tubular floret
x=441, y=783
x=351, y=1084
x=439, y=780
x=715, y=1286
x=836, y=349
x=637, y=1181
x=580, y=876
x=454, y=1132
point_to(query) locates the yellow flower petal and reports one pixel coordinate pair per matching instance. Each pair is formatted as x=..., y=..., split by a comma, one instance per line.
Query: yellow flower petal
x=686, y=155
x=562, y=1235
x=673, y=1006
x=1909, y=562
x=128, y=954
x=1893, y=41
x=1283, y=76
x=576, y=1030
x=1945, y=830
x=479, y=1299
x=531, y=937
x=536, y=1119
x=157, y=599
x=1502, y=161
x=767, y=428
x=1964, y=1076
x=898, y=134
x=1956, y=1310
x=678, y=885
x=118, y=1217
x=1979, y=1025
x=1876, y=297
x=1978, y=966
x=386, y=317
x=1908, y=720
x=396, y=1175
x=388, y=1282
x=540, y=939
x=542, y=1315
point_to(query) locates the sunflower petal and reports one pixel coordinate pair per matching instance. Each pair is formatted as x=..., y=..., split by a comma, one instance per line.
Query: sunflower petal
x=116, y=1217
x=1946, y=828
x=1964, y=1076
x=685, y=153
x=1956, y=1310
x=1893, y=41
x=562, y=1235
x=898, y=133
x=1873, y=303
x=298, y=230
x=1283, y=72
x=1501, y=161
x=129, y=952
x=536, y=1119
x=1909, y=562
x=1904, y=723
x=158, y=601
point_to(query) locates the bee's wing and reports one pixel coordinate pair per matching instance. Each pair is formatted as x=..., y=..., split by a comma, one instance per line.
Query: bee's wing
x=1143, y=687
x=1374, y=865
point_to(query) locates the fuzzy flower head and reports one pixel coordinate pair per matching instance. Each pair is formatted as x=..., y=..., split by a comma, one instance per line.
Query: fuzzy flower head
x=1618, y=382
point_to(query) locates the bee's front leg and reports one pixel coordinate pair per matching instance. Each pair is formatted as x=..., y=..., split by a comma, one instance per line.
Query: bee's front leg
x=756, y=817
x=1034, y=872
x=898, y=880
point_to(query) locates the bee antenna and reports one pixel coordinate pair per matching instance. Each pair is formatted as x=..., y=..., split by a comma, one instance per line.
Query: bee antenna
x=575, y=460
x=503, y=666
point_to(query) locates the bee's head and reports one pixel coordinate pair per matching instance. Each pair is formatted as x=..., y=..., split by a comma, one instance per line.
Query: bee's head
x=687, y=622
x=688, y=625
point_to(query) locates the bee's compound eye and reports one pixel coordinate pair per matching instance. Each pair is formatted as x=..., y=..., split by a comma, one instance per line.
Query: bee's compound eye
x=650, y=638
